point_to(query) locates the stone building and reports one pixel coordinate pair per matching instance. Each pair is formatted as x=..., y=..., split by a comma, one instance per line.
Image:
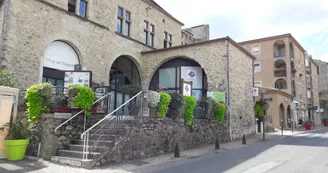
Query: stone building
x=123, y=42
x=284, y=64
x=195, y=34
x=323, y=84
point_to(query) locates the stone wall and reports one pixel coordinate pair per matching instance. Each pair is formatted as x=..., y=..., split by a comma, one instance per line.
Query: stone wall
x=241, y=99
x=147, y=137
x=52, y=141
x=322, y=79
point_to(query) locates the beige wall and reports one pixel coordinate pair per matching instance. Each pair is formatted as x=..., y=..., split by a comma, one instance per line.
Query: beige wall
x=277, y=100
x=266, y=60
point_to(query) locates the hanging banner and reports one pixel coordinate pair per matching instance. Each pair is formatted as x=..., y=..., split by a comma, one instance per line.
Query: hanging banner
x=217, y=96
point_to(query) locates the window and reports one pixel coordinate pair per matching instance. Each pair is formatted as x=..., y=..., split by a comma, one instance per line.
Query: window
x=146, y=32
x=149, y=33
x=256, y=49
x=83, y=8
x=306, y=63
x=123, y=18
x=170, y=41
x=127, y=23
x=152, y=35
x=165, y=39
x=257, y=68
x=71, y=6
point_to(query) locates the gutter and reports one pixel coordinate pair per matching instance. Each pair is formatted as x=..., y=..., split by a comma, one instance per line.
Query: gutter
x=228, y=87
x=4, y=21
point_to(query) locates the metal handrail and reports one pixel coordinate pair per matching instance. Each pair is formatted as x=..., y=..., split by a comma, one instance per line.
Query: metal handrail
x=101, y=98
x=82, y=135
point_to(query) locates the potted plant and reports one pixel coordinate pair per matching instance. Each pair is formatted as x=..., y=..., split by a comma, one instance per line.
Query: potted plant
x=17, y=140
x=308, y=125
x=325, y=122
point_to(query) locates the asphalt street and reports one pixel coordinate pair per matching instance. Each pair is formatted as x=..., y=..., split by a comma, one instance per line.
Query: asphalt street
x=294, y=154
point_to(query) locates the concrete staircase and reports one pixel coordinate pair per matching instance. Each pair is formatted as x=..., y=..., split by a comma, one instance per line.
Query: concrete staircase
x=102, y=142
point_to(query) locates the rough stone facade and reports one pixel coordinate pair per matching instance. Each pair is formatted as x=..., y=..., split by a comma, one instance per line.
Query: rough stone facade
x=322, y=79
x=94, y=39
x=147, y=137
x=195, y=34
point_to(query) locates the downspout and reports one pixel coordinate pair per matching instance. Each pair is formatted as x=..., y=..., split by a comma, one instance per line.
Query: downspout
x=228, y=87
x=4, y=21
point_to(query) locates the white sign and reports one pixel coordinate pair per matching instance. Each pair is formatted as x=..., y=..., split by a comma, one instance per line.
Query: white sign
x=186, y=89
x=60, y=56
x=63, y=115
x=81, y=78
x=255, y=92
x=194, y=75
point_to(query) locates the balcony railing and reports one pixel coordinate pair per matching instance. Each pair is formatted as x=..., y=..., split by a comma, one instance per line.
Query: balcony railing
x=277, y=54
x=280, y=72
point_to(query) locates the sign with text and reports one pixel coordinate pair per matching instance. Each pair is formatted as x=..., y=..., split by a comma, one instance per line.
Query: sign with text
x=82, y=78
x=193, y=75
x=255, y=92
x=186, y=88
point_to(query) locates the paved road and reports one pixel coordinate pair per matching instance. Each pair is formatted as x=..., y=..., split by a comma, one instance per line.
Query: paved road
x=295, y=154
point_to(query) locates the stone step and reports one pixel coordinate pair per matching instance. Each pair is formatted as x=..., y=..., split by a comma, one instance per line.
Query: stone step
x=106, y=137
x=107, y=129
x=76, y=162
x=78, y=154
x=98, y=149
x=107, y=143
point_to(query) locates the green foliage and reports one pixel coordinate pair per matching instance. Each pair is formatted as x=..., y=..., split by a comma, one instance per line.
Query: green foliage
x=163, y=106
x=82, y=97
x=18, y=130
x=38, y=98
x=205, y=109
x=6, y=78
x=189, y=110
x=219, y=111
x=308, y=122
x=258, y=111
x=177, y=106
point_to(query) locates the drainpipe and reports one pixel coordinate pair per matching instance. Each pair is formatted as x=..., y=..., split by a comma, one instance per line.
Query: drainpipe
x=4, y=21
x=228, y=87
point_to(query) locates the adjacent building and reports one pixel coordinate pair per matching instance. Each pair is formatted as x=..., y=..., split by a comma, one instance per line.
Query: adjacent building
x=282, y=63
x=195, y=34
x=323, y=85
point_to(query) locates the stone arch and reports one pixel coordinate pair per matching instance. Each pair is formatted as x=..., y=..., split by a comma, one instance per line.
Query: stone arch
x=123, y=71
x=151, y=74
x=281, y=84
x=176, y=66
x=279, y=48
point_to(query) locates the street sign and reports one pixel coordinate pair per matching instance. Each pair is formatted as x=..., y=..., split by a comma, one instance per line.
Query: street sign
x=255, y=92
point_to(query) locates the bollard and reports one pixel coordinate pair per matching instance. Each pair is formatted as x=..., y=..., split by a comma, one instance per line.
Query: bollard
x=244, y=140
x=217, y=144
x=177, y=150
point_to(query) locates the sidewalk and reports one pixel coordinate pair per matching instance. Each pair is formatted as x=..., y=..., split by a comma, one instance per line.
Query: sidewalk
x=41, y=166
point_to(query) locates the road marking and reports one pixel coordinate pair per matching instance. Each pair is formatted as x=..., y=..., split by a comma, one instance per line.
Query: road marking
x=264, y=167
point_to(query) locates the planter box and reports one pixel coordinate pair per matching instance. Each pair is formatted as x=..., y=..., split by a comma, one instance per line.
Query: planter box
x=325, y=124
x=308, y=126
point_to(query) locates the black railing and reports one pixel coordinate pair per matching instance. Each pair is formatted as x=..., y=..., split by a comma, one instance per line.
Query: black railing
x=277, y=54
x=280, y=73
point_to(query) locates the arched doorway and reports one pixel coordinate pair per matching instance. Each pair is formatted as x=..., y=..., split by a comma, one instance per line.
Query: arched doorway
x=123, y=74
x=59, y=56
x=282, y=115
x=289, y=118
x=168, y=76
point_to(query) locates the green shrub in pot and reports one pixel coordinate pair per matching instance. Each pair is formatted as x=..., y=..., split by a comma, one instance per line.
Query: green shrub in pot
x=163, y=106
x=18, y=139
x=189, y=110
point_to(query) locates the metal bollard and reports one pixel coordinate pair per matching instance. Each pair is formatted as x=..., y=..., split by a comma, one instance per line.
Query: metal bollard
x=177, y=151
x=244, y=140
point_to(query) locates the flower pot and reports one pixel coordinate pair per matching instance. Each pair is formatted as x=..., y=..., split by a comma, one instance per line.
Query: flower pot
x=16, y=149
x=308, y=126
x=325, y=124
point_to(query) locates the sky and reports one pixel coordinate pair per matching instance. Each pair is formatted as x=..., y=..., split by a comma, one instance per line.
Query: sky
x=306, y=20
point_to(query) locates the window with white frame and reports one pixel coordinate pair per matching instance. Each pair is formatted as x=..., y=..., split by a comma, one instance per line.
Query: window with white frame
x=256, y=49
x=257, y=68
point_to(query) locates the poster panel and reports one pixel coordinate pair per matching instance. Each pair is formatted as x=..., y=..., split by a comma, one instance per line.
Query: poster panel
x=81, y=78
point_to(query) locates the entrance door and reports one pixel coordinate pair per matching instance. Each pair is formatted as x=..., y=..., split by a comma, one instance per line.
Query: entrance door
x=123, y=72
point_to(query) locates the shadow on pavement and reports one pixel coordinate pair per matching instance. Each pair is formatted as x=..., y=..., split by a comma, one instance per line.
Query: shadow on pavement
x=27, y=165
